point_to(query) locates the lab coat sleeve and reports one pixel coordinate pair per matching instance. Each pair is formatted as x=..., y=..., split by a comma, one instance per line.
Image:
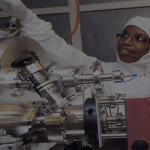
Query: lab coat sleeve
x=59, y=52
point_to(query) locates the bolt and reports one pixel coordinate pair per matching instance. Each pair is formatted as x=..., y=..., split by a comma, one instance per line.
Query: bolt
x=4, y=132
x=70, y=104
x=62, y=121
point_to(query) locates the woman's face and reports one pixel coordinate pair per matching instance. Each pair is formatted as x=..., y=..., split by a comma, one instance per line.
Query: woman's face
x=133, y=44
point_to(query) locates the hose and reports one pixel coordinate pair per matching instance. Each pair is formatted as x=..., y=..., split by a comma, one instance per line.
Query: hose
x=134, y=75
x=77, y=21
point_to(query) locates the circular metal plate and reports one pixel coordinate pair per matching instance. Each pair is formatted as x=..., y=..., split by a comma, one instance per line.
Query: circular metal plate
x=16, y=48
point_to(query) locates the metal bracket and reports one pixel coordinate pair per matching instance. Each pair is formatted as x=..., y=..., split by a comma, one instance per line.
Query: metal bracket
x=17, y=92
x=77, y=74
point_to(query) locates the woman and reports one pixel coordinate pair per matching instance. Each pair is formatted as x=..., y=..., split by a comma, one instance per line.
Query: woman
x=132, y=51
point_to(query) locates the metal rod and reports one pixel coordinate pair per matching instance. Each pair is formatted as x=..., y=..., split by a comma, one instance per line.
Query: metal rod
x=106, y=77
x=74, y=132
x=13, y=123
x=123, y=135
x=116, y=102
x=40, y=118
x=123, y=118
x=4, y=84
x=68, y=81
x=117, y=127
x=86, y=79
x=99, y=123
x=114, y=137
x=16, y=32
x=80, y=139
x=56, y=138
x=112, y=122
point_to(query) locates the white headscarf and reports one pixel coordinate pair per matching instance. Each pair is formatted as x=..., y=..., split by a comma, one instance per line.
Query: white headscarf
x=143, y=64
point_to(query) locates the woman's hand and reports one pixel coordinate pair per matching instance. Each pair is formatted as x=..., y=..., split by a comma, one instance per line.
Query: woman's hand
x=15, y=8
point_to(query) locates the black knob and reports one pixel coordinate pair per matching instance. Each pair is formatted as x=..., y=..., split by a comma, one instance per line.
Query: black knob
x=140, y=145
x=21, y=62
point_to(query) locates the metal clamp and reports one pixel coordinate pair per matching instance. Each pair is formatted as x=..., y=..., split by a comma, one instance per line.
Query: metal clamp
x=77, y=74
x=117, y=75
x=96, y=73
x=119, y=119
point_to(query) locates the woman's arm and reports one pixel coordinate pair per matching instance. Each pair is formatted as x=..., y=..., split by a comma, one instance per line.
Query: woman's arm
x=58, y=50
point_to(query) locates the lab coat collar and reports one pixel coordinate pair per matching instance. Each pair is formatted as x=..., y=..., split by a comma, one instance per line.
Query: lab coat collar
x=141, y=66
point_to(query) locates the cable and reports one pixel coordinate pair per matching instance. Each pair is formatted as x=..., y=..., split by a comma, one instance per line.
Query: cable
x=77, y=21
x=134, y=75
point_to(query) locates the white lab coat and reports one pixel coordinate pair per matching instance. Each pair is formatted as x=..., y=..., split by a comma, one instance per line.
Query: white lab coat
x=65, y=55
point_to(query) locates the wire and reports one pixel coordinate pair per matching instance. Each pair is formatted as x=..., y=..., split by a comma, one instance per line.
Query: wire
x=77, y=20
x=134, y=75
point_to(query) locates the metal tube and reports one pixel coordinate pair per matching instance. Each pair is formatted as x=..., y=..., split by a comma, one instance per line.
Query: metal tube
x=119, y=137
x=56, y=138
x=78, y=111
x=123, y=118
x=117, y=102
x=68, y=81
x=40, y=119
x=106, y=77
x=115, y=118
x=53, y=121
x=112, y=122
x=13, y=123
x=74, y=132
x=111, y=118
x=99, y=123
x=7, y=84
x=86, y=79
x=122, y=135
x=117, y=127
x=80, y=138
